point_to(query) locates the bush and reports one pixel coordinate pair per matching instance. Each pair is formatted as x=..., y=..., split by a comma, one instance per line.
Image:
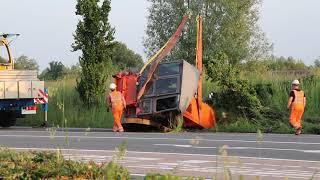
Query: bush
x=51, y=165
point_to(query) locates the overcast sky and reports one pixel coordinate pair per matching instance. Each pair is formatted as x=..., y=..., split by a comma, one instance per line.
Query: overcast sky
x=46, y=27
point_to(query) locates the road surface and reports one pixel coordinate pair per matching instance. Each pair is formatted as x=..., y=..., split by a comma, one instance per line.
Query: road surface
x=194, y=154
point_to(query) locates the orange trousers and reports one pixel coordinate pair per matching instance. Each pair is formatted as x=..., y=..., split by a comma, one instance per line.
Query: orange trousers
x=296, y=115
x=117, y=114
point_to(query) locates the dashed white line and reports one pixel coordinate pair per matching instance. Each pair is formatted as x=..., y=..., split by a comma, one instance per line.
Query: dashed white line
x=156, y=138
x=163, y=153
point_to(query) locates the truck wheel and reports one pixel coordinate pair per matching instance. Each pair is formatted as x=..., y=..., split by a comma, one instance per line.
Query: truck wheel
x=9, y=119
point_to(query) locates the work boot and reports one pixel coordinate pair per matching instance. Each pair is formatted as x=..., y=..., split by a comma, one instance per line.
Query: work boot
x=298, y=131
x=120, y=130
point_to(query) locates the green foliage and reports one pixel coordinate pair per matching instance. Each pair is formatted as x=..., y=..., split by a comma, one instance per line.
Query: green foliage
x=93, y=37
x=234, y=94
x=124, y=58
x=74, y=70
x=25, y=63
x=230, y=28
x=55, y=71
x=282, y=63
x=317, y=63
x=273, y=96
x=50, y=165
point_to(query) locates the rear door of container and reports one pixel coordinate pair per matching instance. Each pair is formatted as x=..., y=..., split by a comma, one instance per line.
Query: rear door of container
x=11, y=89
x=25, y=89
x=1, y=90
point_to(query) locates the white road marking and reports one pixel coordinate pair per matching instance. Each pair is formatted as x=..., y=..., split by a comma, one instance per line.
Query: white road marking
x=196, y=161
x=293, y=166
x=149, y=138
x=163, y=153
x=240, y=148
x=264, y=172
x=312, y=151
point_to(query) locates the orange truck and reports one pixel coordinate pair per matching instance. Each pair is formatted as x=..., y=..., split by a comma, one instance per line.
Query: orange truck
x=161, y=94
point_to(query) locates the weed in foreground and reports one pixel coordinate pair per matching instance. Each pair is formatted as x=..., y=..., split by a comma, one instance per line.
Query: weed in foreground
x=52, y=165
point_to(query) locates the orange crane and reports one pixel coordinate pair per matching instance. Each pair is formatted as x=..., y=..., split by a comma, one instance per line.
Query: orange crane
x=163, y=91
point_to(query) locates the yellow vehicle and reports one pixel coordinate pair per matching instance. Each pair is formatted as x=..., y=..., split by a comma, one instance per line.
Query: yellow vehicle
x=9, y=65
x=20, y=90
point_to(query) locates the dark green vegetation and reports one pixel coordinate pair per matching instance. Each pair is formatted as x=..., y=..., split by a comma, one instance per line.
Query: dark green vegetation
x=52, y=165
x=230, y=30
x=124, y=58
x=262, y=105
x=23, y=62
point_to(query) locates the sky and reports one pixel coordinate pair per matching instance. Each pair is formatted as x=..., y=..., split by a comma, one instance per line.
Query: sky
x=47, y=27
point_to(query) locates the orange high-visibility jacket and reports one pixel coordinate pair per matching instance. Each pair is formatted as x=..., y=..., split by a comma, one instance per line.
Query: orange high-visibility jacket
x=117, y=100
x=298, y=98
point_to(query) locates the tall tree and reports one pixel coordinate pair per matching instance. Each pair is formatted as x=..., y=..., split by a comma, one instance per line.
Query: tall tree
x=124, y=58
x=230, y=29
x=93, y=37
x=25, y=63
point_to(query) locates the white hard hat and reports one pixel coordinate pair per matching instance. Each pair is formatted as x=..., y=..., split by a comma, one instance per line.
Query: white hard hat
x=113, y=86
x=295, y=82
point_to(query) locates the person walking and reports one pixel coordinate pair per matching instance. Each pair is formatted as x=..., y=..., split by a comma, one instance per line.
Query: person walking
x=296, y=105
x=117, y=103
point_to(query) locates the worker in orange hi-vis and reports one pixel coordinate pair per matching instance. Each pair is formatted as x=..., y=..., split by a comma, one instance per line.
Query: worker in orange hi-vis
x=296, y=104
x=117, y=103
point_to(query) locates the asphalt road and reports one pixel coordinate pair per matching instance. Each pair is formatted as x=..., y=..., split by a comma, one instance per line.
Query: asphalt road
x=195, y=154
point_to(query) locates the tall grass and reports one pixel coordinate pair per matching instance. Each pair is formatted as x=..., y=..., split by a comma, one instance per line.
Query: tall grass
x=276, y=102
x=67, y=110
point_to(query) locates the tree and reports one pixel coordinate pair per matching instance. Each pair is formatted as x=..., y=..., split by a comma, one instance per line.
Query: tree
x=230, y=28
x=55, y=71
x=93, y=37
x=124, y=58
x=282, y=63
x=317, y=63
x=25, y=63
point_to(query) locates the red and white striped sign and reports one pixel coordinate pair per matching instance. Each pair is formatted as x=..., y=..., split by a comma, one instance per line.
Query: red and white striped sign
x=43, y=100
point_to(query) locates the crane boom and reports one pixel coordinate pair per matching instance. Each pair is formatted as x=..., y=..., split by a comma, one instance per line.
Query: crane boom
x=161, y=54
x=199, y=63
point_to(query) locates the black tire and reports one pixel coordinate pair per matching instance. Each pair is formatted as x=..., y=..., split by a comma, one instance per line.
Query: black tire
x=8, y=119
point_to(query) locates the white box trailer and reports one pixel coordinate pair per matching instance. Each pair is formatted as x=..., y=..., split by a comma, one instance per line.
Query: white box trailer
x=18, y=91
